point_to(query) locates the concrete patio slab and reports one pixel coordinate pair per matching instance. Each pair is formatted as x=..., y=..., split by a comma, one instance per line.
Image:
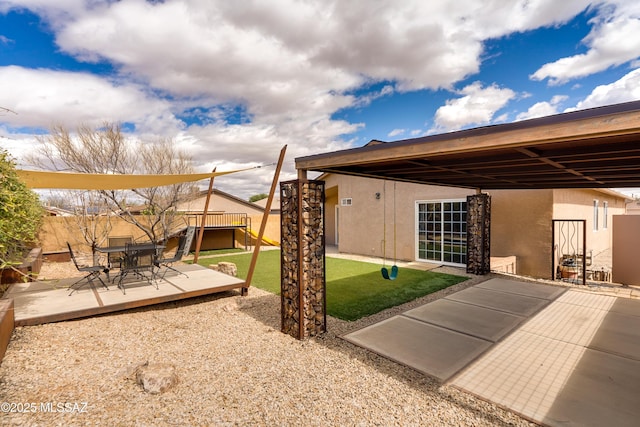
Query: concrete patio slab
x=524, y=373
x=629, y=307
x=480, y=322
x=134, y=290
x=429, y=349
x=442, y=337
x=603, y=390
x=509, y=302
x=196, y=277
x=535, y=290
x=51, y=303
x=574, y=318
x=573, y=364
x=573, y=359
x=619, y=334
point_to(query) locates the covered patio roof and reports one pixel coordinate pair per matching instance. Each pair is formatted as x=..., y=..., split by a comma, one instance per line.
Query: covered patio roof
x=594, y=148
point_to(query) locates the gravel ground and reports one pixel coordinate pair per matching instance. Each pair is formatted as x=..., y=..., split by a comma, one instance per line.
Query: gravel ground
x=234, y=368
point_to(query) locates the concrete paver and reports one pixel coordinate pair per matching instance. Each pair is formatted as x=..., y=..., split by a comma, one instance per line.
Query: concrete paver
x=574, y=363
x=535, y=290
x=558, y=357
x=472, y=320
x=431, y=353
x=602, y=390
x=520, y=305
x=442, y=337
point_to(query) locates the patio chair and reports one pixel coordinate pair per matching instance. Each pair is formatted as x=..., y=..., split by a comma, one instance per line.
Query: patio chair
x=116, y=258
x=93, y=272
x=138, y=259
x=177, y=256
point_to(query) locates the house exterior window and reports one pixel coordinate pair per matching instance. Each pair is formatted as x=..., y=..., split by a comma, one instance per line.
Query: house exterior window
x=605, y=215
x=442, y=231
x=595, y=215
x=347, y=201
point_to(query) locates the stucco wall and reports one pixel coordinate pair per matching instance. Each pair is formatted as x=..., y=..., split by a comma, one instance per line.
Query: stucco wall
x=362, y=225
x=57, y=231
x=521, y=226
x=331, y=201
x=521, y=223
x=578, y=204
x=626, y=234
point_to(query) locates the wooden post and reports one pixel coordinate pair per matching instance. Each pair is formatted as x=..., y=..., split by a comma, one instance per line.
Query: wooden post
x=263, y=223
x=204, y=216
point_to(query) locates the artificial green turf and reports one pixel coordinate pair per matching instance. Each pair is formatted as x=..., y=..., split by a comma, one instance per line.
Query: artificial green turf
x=221, y=252
x=354, y=289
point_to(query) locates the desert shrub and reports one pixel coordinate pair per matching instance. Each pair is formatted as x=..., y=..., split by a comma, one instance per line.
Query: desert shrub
x=20, y=213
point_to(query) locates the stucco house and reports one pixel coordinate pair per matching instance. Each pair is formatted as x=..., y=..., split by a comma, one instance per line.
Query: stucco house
x=428, y=223
x=231, y=221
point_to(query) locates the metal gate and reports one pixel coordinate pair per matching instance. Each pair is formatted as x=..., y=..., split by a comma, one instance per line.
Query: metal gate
x=569, y=248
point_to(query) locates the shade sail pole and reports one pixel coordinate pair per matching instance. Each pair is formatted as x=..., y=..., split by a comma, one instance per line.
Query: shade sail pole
x=204, y=216
x=263, y=224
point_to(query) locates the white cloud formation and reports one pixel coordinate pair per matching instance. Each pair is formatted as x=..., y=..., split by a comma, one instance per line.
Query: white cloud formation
x=612, y=41
x=625, y=89
x=396, y=132
x=476, y=107
x=544, y=108
x=288, y=65
x=42, y=98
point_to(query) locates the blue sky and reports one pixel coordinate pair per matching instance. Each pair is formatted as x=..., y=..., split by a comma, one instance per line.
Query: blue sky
x=232, y=82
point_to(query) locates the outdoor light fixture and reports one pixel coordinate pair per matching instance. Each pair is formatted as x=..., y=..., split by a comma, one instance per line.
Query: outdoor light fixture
x=377, y=196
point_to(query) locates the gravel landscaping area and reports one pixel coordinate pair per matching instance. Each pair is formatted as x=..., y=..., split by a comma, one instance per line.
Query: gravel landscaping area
x=234, y=367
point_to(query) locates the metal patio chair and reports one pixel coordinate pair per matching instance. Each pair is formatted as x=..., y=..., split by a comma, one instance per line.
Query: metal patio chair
x=93, y=272
x=177, y=256
x=115, y=258
x=139, y=259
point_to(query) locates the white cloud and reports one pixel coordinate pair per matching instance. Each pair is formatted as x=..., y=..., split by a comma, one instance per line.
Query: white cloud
x=42, y=98
x=289, y=65
x=541, y=109
x=396, y=132
x=623, y=90
x=476, y=107
x=612, y=41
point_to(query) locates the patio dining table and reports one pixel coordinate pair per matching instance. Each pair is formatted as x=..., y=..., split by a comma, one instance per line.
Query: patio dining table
x=137, y=258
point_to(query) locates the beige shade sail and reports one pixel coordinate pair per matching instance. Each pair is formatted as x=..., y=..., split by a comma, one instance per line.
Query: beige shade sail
x=91, y=181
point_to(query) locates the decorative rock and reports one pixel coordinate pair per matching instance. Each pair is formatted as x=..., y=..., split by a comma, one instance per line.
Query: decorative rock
x=228, y=268
x=156, y=378
x=302, y=276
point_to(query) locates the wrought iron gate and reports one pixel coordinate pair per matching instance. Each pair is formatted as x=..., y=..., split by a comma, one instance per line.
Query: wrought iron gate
x=569, y=248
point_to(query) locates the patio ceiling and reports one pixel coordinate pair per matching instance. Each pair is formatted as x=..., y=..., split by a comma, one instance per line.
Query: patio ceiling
x=595, y=148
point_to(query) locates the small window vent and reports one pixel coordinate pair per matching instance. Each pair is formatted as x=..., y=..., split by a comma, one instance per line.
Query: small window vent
x=346, y=202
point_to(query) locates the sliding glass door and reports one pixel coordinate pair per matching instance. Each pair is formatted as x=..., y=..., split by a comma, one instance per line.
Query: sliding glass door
x=442, y=231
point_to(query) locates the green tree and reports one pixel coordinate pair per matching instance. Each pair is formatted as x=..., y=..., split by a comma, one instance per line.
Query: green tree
x=20, y=213
x=257, y=197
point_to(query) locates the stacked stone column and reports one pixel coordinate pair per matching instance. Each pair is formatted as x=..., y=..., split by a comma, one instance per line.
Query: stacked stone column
x=478, y=233
x=302, y=285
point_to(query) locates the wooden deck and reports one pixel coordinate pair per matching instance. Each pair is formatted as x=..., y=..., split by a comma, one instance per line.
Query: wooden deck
x=44, y=302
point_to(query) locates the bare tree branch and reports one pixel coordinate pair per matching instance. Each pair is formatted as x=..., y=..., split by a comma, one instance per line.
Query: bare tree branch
x=107, y=151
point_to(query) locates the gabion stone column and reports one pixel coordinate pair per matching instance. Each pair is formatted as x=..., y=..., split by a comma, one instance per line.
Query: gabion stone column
x=302, y=283
x=478, y=233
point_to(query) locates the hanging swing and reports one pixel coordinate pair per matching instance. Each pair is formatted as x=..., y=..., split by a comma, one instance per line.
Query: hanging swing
x=394, y=269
